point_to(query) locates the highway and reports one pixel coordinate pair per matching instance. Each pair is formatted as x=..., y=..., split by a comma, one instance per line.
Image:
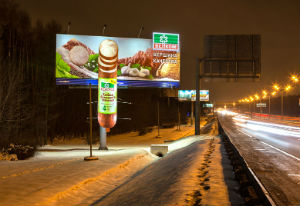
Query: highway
x=271, y=150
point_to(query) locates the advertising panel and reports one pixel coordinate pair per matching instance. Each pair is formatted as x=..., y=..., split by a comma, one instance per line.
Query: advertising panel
x=204, y=95
x=140, y=62
x=190, y=95
x=185, y=95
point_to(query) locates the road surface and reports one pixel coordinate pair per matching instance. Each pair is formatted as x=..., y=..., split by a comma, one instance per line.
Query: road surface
x=272, y=151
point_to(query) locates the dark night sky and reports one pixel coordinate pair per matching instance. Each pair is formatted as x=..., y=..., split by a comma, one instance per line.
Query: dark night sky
x=276, y=20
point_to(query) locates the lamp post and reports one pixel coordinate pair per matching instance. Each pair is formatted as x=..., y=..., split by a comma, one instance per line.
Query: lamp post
x=265, y=94
x=282, y=90
x=251, y=99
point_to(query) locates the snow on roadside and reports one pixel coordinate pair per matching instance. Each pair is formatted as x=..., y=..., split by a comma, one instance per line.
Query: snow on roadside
x=57, y=175
x=90, y=189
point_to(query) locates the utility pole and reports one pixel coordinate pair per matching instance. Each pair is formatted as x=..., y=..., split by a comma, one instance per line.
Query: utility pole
x=282, y=104
x=260, y=108
x=178, y=112
x=192, y=113
x=197, y=109
x=269, y=106
x=158, y=135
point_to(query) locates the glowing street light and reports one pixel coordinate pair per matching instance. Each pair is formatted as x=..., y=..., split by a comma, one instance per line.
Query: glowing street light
x=287, y=88
x=265, y=94
x=273, y=93
x=276, y=87
x=294, y=78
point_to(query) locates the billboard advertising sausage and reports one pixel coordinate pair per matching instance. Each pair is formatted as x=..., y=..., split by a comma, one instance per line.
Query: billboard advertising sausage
x=140, y=63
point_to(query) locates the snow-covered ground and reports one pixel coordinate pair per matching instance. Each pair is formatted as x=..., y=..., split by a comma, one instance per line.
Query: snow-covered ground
x=57, y=175
x=193, y=175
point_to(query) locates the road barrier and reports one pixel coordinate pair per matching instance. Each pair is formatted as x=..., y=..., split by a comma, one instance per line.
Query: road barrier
x=252, y=189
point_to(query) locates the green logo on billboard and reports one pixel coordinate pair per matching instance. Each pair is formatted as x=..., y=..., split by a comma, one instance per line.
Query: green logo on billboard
x=167, y=42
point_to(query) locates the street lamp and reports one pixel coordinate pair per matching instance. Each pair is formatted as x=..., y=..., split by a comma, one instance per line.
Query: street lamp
x=294, y=78
x=287, y=88
x=251, y=99
x=265, y=94
x=283, y=89
x=276, y=87
x=255, y=105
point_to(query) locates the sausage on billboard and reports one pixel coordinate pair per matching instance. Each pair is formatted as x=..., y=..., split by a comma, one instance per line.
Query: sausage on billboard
x=107, y=83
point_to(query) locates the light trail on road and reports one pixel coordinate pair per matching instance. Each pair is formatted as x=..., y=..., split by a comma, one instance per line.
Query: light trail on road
x=272, y=151
x=283, y=138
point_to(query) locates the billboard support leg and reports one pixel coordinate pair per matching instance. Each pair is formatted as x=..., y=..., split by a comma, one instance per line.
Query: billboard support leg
x=178, y=112
x=103, y=145
x=158, y=135
x=192, y=113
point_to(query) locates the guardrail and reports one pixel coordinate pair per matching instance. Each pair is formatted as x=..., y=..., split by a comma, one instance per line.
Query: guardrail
x=252, y=189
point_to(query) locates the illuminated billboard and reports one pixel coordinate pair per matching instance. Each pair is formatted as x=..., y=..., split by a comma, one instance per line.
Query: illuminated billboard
x=190, y=95
x=140, y=63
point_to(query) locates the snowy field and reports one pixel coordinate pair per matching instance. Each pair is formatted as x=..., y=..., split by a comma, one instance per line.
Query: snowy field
x=57, y=175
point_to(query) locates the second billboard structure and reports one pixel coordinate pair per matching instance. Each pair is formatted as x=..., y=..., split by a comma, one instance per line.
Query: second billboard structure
x=141, y=60
x=190, y=95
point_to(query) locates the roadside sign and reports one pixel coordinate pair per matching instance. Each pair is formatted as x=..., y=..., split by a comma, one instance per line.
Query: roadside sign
x=261, y=105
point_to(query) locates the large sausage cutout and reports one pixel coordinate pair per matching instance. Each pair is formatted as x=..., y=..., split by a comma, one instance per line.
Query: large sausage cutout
x=107, y=83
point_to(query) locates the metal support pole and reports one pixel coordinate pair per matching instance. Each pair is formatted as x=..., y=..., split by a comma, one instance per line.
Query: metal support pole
x=260, y=108
x=158, y=119
x=282, y=104
x=250, y=108
x=192, y=113
x=88, y=158
x=140, y=31
x=197, y=109
x=91, y=122
x=269, y=106
x=103, y=29
x=68, y=27
x=102, y=139
x=178, y=112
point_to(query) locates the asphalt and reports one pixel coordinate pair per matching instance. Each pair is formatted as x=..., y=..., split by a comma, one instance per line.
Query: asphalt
x=272, y=152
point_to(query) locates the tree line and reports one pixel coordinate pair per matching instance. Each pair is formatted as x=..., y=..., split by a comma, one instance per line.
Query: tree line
x=27, y=76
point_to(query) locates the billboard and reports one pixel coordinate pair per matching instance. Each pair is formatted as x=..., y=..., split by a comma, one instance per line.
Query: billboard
x=232, y=56
x=190, y=95
x=141, y=62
